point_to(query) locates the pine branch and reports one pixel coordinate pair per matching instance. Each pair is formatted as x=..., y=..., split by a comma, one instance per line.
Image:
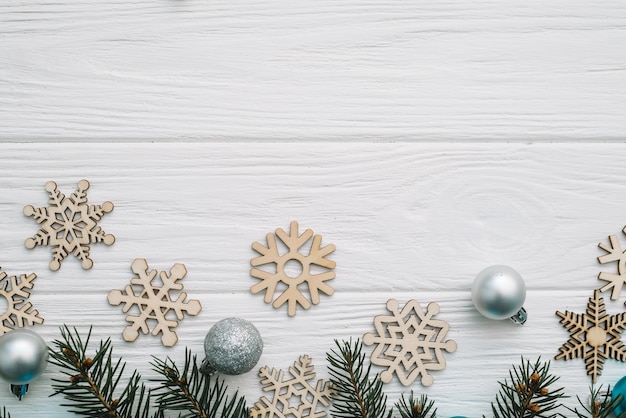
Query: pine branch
x=91, y=383
x=599, y=406
x=416, y=408
x=356, y=394
x=528, y=394
x=193, y=391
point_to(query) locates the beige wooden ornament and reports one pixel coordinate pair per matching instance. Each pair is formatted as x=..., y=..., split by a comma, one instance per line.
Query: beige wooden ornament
x=410, y=342
x=295, y=396
x=614, y=253
x=15, y=290
x=595, y=336
x=274, y=259
x=154, y=302
x=69, y=225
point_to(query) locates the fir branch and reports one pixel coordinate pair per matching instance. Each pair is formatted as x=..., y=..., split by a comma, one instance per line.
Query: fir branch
x=528, y=394
x=356, y=394
x=91, y=383
x=193, y=391
x=599, y=406
x=416, y=408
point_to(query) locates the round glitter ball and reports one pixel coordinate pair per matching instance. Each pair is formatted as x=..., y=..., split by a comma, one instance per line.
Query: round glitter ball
x=233, y=346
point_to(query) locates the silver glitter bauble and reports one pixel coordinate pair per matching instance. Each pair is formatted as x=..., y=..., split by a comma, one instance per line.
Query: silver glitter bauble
x=232, y=346
x=498, y=292
x=23, y=356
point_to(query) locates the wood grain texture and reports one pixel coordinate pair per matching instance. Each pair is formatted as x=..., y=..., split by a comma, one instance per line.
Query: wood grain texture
x=312, y=69
x=410, y=221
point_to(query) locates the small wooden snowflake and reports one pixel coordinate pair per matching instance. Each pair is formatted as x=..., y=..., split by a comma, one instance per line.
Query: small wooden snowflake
x=15, y=290
x=69, y=225
x=295, y=396
x=614, y=253
x=300, y=283
x=409, y=342
x=595, y=336
x=154, y=302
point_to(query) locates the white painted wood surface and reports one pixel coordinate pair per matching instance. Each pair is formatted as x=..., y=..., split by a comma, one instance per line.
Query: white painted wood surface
x=425, y=140
x=409, y=221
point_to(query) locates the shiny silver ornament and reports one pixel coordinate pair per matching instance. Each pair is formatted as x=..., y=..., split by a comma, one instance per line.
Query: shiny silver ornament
x=232, y=346
x=499, y=292
x=23, y=358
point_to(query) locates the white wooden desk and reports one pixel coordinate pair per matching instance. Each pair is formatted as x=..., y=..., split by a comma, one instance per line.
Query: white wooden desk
x=426, y=141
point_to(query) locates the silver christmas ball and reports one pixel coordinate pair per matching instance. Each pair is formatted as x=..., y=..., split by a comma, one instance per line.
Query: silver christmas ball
x=498, y=292
x=232, y=346
x=23, y=356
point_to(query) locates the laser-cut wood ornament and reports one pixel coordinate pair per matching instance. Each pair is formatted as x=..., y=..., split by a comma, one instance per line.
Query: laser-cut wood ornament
x=595, y=336
x=15, y=290
x=154, y=302
x=410, y=343
x=272, y=259
x=614, y=253
x=293, y=397
x=69, y=225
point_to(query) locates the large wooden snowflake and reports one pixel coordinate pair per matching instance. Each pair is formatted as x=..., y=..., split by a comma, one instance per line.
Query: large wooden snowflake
x=614, y=253
x=410, y=342
x=293, y=397
x=15, y=290
x=69, y=225
x=153, y=302
x=595, y=336
x=304, y=280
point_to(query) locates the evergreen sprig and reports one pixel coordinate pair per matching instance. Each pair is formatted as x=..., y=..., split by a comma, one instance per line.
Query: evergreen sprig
x=356, y=394
x=528, y=393
x=91, y=383
x=194, y=392
x=416, y=407
x=600, y=405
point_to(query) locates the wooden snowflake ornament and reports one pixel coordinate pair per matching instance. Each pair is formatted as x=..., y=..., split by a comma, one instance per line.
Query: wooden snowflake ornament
x=154, y=302
x=69, y=225
x=410, y=342
x=294, y=397
x=614, y=253
x=15, y=290
x=595, y=336
x=275, y=260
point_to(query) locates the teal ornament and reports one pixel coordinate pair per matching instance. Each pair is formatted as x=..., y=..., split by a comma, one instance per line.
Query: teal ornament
x=620, y=389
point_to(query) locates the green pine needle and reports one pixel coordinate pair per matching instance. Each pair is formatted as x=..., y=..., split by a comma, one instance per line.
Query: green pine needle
x=194, y=392
x=91, y=383
x=528, y=393
x=356, y=394
x=600, y=406
x=416, y=408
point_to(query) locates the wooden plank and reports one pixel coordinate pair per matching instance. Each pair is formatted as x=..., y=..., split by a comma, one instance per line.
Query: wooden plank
x=320, y=70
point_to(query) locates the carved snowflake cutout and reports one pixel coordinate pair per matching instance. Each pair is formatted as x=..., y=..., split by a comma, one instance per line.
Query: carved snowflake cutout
x=69, y=225
x=154, y=302
x=409, y=342
x=293, y=397
x=299, y=283
x=613, y=253
x=595, y=336
x=19, y=310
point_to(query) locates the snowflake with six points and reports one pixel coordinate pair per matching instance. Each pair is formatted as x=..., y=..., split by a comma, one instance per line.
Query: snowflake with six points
x=305, y=280
x=409, y=342
x=595, y=336
x=69, y=225
x=154, y=302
